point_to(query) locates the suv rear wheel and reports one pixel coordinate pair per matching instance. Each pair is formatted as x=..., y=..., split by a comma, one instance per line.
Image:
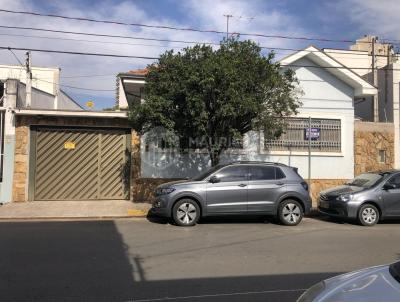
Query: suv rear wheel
x=186, y=212
x=368, y=215
x=290, y=212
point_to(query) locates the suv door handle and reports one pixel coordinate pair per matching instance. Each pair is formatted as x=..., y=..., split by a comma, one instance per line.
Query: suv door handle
x=242, y=185
x=279, y=183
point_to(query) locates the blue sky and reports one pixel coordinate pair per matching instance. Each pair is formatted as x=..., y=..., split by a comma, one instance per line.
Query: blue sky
x=340, y=19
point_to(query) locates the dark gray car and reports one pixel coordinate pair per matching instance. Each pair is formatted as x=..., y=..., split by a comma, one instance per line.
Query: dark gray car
x=251, y=188
x=367, y=198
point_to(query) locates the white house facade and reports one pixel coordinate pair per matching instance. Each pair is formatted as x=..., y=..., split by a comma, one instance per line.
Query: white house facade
x=328, y=93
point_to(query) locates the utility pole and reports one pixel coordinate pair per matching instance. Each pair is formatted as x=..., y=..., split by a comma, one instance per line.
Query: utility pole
x=227, y=24
x=28, y=65
x=309, y=151
x=389, y=49
x=375, y=79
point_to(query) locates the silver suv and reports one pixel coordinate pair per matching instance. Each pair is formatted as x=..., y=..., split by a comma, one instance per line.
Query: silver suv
x=251, y=188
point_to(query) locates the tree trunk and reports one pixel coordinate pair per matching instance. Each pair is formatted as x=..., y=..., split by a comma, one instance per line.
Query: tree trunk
x=214, y=156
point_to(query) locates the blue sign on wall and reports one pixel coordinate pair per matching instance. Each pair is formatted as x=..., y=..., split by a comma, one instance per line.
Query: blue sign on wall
x=315, y=133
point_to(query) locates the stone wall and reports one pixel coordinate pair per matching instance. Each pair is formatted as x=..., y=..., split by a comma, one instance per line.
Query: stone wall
x=143, y=188
x=318, y=185
x=369, y=138
x=20, y=177
x=22, y=124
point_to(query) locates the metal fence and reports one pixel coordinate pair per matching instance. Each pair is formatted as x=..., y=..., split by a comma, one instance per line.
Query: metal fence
x=325, y=136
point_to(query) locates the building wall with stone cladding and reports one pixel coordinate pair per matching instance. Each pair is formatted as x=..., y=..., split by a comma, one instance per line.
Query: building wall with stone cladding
x=369, y=138
x=22, y=126
x=318, y=185
x=20, y=190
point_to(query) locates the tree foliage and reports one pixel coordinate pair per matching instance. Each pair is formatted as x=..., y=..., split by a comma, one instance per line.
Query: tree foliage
x=216, y=94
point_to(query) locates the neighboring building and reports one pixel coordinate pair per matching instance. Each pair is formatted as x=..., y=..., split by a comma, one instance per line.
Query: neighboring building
x=329, y=91
x=52, y=149
x=46, y=92
x=130, y=88
x=377, y=63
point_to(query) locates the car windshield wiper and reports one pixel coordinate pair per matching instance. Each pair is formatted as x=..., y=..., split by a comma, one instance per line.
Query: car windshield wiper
x=394, y=270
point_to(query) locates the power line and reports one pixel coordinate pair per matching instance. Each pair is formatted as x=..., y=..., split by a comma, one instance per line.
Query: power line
x=90, y=41
x=103, y=35
x=88, y=76
x=179, y=28
x=156, y=58
x=80, y=53
x=159, y=40
x=16, y=57
x=74, y=87
x=162, y=46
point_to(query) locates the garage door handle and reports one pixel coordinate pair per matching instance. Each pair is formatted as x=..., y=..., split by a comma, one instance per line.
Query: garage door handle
x=242, y=185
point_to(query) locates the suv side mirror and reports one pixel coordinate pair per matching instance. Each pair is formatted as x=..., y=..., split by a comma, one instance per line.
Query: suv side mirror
x=214, y=179
x=388, y=186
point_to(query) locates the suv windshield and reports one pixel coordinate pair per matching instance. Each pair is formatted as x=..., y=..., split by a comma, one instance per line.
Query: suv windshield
x=394, y=270
x=207, y=173
x=366, y=180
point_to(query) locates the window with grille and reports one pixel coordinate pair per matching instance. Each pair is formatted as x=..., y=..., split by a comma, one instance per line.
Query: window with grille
x=325, y=136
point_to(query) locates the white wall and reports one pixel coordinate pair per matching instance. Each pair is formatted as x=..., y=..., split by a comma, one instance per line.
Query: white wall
x=358, y=61
x=46, y=79
x=44, y=100
x=126, y=88
x=324, y=96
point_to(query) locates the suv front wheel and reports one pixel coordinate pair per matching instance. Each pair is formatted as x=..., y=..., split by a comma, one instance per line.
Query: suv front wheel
x=186, y=212
x=290, y=212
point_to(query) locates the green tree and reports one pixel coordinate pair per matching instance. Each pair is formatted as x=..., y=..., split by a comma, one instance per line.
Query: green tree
x=216, y=94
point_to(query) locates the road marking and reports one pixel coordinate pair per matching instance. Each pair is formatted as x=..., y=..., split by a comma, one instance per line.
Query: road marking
x=137, y=213
x=220, y=295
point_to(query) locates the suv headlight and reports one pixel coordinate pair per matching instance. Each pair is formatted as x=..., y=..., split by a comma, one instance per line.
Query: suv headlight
x=164, y=191
x=345, y=197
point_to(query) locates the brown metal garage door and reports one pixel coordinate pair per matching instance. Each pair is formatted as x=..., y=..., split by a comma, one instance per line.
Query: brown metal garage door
x=80, y=164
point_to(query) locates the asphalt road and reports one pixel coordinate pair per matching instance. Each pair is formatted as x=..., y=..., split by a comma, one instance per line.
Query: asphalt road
x=218, y=260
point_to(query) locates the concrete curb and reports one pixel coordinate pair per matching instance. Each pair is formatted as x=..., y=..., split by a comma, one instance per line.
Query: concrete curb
x=140, y=212
x=73, y=210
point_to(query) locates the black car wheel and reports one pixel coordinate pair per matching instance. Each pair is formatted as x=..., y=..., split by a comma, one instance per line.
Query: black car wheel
x=186, y=212
x=368, y=215
x=290, y=212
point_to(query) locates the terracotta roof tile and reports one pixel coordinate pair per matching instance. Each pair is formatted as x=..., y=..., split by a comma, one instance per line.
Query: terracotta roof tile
x=139, y=72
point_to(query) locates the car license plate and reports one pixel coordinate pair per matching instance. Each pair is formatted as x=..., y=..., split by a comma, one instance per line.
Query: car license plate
x=324, y=204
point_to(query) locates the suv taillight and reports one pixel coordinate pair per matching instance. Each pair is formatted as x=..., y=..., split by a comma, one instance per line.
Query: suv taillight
x=305, y=185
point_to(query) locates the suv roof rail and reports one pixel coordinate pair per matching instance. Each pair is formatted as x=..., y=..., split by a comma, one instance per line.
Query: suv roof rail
x=257, y=162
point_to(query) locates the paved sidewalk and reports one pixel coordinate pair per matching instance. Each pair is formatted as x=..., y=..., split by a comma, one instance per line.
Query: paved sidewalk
x=73, y=209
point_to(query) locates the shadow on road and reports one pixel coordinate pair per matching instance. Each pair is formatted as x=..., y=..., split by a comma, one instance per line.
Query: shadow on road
x=65, y=261
x=328, y=219
x=219, y=219
x=89, y=261
x=236, y=219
